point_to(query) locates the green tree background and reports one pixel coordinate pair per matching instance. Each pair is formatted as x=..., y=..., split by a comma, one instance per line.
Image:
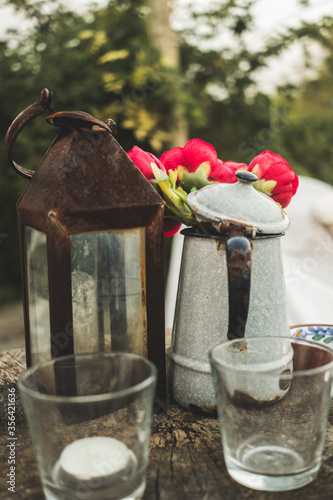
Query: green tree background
x=108, y=62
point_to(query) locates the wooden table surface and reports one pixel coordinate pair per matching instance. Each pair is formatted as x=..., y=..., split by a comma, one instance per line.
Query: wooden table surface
x=185, y=462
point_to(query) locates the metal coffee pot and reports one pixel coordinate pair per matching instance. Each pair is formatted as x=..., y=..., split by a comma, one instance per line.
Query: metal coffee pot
x=231, y=284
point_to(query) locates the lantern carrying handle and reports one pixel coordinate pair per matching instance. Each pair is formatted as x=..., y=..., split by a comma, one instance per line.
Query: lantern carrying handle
x=44, y=102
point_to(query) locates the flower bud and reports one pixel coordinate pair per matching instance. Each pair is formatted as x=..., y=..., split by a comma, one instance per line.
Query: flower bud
x=272, y=168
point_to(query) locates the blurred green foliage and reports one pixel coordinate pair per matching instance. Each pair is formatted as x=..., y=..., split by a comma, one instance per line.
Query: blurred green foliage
x=103, y=62
x=306, y=135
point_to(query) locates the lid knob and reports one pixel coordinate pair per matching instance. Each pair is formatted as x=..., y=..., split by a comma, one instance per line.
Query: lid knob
x=246, y=177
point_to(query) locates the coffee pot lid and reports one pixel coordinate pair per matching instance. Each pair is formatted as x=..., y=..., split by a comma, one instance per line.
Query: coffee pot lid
x=221, y=205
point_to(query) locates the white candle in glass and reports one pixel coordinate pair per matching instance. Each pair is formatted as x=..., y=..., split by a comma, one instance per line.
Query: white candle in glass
x=98, y=461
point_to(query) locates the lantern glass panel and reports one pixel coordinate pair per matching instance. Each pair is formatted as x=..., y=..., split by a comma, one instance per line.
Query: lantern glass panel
x=38, y=294
x=108, y=291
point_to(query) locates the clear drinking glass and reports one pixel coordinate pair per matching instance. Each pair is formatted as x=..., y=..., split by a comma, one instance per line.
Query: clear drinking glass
x=273, y=399
x=90, y=421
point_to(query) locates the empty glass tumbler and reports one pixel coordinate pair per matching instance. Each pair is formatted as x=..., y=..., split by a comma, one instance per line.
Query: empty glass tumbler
x=273, y=399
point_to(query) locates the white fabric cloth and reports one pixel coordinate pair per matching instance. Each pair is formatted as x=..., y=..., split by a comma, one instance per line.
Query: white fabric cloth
x=307, y=250
x=172, y=280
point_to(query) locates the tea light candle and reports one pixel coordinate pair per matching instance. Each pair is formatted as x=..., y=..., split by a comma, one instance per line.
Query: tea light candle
x=99, y=461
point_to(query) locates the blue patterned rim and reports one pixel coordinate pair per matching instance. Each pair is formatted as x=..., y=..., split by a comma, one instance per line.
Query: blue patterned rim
x=316, y=333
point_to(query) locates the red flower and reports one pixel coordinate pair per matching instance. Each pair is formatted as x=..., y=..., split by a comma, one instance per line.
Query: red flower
x=171, y=227
x=224, y=171
x=193, y=154
x=272, y=167
x=143, y=161
x=180, y=175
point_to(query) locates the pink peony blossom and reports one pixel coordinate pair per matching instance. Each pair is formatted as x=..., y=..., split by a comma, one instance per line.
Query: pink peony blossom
x=191, y=156
x=143, y=161
x=224, y=171
x=269, y=166
x=171, y=227
x=275, y=177
x=195, y=153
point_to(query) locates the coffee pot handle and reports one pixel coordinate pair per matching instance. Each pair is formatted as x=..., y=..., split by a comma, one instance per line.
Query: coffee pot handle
x=239, y=256
x=44, y=102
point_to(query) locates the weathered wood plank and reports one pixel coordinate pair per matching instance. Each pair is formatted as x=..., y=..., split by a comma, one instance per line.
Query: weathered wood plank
x=186, y=462
x=27, y=482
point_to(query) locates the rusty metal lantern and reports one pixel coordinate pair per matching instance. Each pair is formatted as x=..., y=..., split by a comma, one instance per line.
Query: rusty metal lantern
x=91, y=238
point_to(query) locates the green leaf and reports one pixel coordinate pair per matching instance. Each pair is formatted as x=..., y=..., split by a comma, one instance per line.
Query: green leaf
x=176, y=203
x=180, y=193
x=195, y=180
x=265, y=187
x=269, y=186
x=173, y=178
x=158, y=173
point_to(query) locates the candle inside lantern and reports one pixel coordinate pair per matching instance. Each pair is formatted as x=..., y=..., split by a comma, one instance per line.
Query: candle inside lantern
x=97, y=462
